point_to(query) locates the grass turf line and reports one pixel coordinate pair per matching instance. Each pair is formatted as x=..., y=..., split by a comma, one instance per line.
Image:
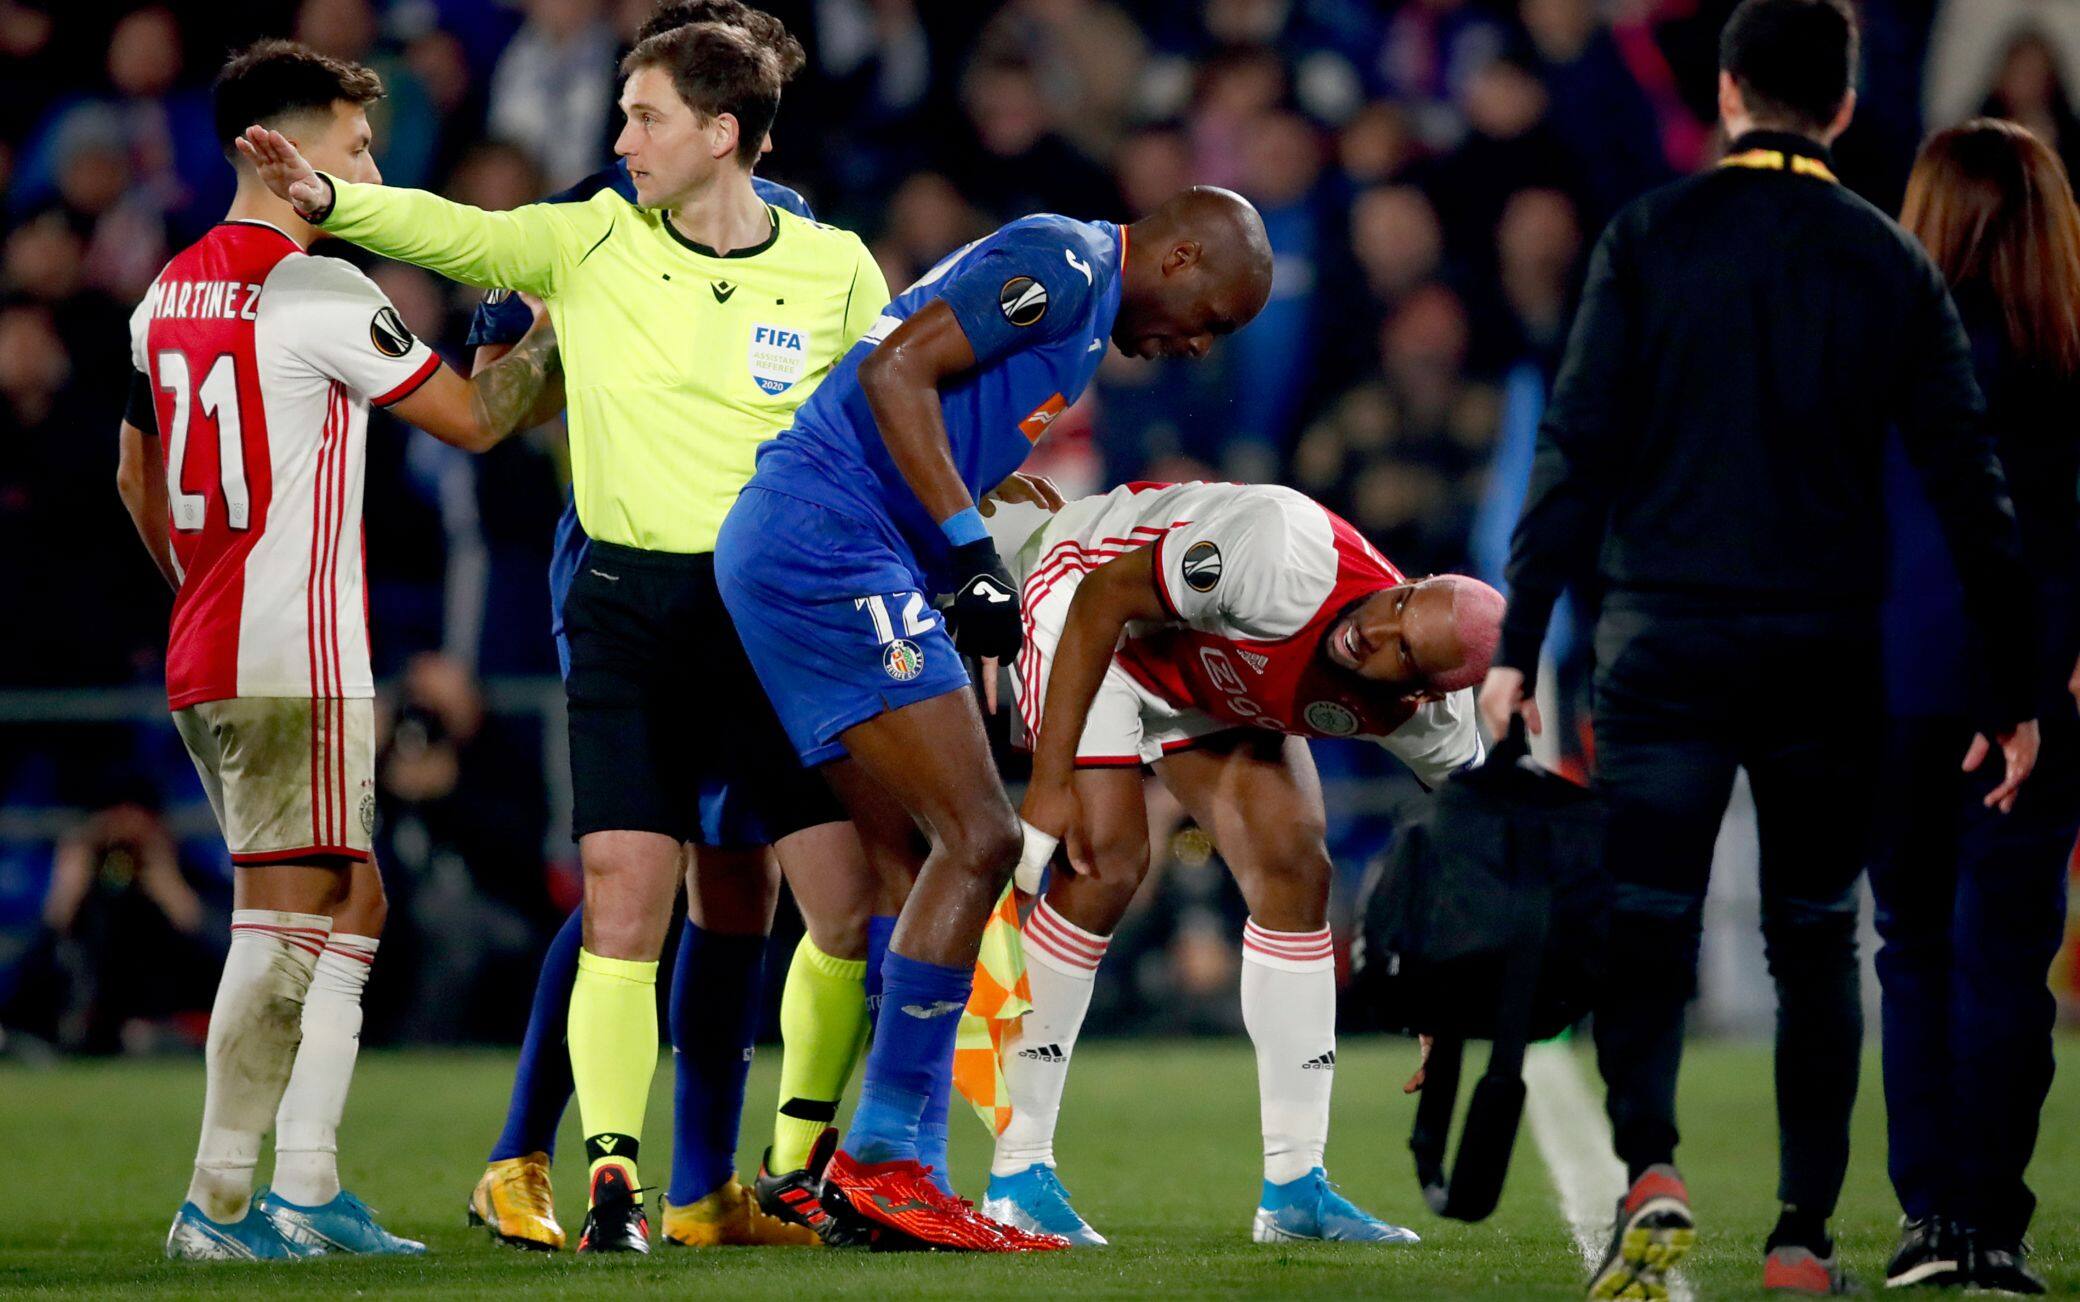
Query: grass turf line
x=1159, y=1147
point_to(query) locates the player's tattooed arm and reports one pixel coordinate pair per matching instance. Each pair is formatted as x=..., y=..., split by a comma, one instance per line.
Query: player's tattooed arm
x=551, y=399
x=524, y=388
x=1110, y=597
x=481, y=412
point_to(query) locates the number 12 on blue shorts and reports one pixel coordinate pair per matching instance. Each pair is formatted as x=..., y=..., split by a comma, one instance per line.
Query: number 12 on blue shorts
x=902, y=658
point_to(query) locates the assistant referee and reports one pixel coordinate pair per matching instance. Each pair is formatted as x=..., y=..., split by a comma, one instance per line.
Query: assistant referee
x=691, y=325
x=1712, y=459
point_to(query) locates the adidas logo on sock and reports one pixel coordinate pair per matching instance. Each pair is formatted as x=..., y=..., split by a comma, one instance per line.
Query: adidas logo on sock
x=1326, y=1062
x=1045, y=1053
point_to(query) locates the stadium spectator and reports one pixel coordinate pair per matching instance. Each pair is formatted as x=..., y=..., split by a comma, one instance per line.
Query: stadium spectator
x=1970, y=42
x=123, y=956
x=2030, y=88
x=553, y=93
x=146, y=124
x=404, y=119
x=1013, y=161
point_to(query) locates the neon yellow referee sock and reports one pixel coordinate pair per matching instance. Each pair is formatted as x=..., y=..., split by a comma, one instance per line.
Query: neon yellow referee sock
x=613, y=1039
x=823, y=1027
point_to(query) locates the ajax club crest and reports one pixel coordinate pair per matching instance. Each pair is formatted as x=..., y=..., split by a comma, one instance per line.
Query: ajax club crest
x=1331, y=719
x=779, y=356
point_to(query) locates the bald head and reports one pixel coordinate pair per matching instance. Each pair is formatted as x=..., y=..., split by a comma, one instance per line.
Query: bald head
x=1434, y=636
x=1198, y=267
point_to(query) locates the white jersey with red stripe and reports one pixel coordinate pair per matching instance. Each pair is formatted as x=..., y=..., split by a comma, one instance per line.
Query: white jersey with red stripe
x=263, y=362
x=1252, y=575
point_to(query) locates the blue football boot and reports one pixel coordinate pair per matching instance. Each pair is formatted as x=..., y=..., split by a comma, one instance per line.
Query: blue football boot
x=346, y=1224
x=1311, y=1208
x=253, y=1237
x=1034, y=1200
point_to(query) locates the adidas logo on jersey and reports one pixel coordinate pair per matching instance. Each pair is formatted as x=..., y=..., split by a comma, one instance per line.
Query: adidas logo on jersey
x=1045, y=1053
x=1253, y=660
x=1323, y=1062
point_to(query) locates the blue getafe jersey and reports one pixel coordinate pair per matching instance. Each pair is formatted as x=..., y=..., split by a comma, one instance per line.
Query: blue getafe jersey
x=1036, y=300
x=502, y=318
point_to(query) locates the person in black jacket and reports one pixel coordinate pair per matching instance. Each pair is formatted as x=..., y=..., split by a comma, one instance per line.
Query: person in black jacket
x=1971, y=905
x=1711, y=458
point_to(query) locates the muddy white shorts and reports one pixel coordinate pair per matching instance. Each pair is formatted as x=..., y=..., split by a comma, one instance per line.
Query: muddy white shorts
x=290, y=778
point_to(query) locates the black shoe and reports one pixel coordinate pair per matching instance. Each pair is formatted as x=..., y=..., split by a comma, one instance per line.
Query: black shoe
x=1999, y=1266
x=797, y=1196
x=1928, y=1255
x=616, y=1222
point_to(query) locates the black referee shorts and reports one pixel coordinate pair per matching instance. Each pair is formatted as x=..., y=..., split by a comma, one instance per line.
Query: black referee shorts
x=670, y=731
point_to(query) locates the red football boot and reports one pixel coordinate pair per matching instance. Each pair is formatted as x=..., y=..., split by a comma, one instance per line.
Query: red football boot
x=900, y=1197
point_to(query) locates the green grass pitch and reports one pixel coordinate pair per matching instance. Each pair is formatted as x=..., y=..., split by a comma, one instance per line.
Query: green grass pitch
x=1159, y=1146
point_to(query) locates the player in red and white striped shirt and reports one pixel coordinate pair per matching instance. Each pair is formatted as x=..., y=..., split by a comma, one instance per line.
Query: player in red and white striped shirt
x=1207, y=629
x=242, y=458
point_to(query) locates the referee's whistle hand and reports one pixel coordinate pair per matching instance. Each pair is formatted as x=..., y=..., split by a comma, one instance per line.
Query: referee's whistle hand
x=1502, y=695
x=2018, y=753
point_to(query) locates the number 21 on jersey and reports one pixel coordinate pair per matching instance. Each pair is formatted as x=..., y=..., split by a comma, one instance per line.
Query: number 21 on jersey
x=214, y=400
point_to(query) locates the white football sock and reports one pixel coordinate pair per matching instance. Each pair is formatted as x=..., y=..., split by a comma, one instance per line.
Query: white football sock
x=306, y=1129
x=1061, y=968
x=1289, y=1006
x=253, y=1029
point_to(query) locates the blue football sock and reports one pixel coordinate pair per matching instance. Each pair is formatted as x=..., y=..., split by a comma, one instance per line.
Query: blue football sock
x=542, y=1080
x=880, y=927
x=913, y=1048
x=932, y=1128
x=715, y=1002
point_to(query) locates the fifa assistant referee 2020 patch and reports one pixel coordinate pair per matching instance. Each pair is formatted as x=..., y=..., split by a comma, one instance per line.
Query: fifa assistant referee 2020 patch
x=779, y=356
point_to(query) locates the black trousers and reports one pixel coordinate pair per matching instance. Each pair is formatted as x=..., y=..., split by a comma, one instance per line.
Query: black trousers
x=1971, y=907
x=1682, y=700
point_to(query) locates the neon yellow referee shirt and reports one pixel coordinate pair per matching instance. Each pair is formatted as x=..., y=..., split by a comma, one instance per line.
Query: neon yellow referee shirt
x=677, y=362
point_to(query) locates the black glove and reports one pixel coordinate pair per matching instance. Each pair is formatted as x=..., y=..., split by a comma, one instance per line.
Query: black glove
x=984, y=616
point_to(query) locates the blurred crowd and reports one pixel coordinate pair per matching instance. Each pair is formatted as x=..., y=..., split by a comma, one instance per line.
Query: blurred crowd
x=1431, y=173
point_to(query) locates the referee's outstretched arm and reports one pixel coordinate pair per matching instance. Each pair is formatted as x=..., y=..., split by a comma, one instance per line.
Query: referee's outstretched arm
x=529, y=248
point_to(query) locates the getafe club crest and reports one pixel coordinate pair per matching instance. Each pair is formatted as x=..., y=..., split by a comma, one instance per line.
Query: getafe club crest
x=779, y=356
x=903, y=659
x=1331, y=719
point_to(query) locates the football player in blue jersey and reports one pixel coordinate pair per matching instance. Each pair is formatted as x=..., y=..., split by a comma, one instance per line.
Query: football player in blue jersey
x=732, y=891
x=863, y=512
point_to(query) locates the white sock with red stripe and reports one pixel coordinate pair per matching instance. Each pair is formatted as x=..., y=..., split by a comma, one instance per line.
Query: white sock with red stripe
x=1289, y=1006
x=1061, y=967
x=306, y=1128
x=253, y=1029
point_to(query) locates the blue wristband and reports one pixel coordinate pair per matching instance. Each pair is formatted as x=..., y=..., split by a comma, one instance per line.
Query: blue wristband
x=964, y=527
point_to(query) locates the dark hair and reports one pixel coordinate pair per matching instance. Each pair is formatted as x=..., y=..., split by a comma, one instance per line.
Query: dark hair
x=270, y=80
x=1992, y=205
x=1794, y=60
x=717, y=69
x=762, y=27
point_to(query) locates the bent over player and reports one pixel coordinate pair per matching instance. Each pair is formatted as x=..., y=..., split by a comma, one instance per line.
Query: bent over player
x=1252, y=618
x=242, y=456
x=865, y=509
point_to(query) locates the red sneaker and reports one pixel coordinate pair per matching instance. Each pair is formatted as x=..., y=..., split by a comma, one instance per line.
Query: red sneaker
x=900, y=1197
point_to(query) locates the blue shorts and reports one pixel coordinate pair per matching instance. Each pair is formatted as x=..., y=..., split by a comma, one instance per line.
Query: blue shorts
x=831, y=617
